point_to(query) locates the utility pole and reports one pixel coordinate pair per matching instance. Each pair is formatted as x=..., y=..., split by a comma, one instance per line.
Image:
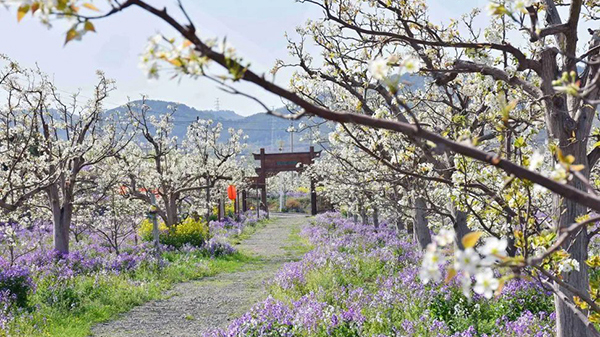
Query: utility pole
x=217, y=105
x=207, y=180
x=291, y=130
x=207, y=198
x=281, y=186
x=272, y=144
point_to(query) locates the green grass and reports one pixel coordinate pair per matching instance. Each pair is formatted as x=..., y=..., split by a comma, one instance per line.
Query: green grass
x=71, y=308
x=248, y=231
x=298, y=245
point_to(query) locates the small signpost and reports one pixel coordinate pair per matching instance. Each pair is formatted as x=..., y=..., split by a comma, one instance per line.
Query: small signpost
x=152, y=217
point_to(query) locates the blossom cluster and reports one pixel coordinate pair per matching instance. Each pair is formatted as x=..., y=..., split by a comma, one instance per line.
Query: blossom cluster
x=381, y=67
x=468, y=261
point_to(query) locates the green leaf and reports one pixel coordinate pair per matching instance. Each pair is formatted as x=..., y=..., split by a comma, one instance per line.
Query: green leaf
x=519, y=142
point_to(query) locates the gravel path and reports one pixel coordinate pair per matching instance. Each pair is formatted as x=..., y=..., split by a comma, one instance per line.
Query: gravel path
x=194, y=307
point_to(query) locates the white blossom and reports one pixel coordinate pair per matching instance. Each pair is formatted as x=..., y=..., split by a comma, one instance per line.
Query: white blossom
x=485, y=283
x=379, y=68
x=430, y=269
x=493, y=249
x=411, y=65
x=536, y=160
x=466, y=260
x=568, y=265
x=445, y=237
x=559, y=173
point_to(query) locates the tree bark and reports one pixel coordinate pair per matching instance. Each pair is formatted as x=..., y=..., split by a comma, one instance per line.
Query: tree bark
x=171, y=212
x=222, y=208
x=62, y=213
x=421, y=224
x=208, y=200
x=363, y=216
x=569, y=122
x=565, y=212
x=459, y=224
x=376, y=217
x=399, y=226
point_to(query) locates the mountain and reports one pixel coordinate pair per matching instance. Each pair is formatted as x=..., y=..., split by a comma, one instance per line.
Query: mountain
x=263, y=130
x=186, y=113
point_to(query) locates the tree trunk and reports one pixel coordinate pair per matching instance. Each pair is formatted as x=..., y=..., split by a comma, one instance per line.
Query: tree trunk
x=61, y=214
x=376, y=217
x=208, y=200
x=171, y=211
x=569, y=122
x=399, y=226
x=460, y=224
x=421, y=224
x=460, y=218
x=281, y=199
x=565, y=212
x=363, y=216
x=222, y=208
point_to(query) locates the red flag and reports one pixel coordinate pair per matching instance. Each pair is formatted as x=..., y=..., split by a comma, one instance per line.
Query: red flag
x=231, y=192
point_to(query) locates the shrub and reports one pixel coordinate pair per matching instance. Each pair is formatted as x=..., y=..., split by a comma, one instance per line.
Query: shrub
x=6, y=313
x=189, y=231
x=216, y=248
x=293, y=204
x=459, y=313
x=146, y=229
x=59, y=293
x=16, y=281
x=229, y=210
x=303, y=189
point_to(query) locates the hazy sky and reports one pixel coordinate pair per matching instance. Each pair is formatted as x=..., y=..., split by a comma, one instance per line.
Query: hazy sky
x=255, y=27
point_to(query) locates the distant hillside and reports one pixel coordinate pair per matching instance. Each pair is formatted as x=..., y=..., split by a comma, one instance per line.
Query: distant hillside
x=263, y=130
x=185, y=113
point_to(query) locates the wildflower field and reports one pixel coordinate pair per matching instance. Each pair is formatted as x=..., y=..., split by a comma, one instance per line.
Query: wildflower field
x=46, y=293
x=359, y=280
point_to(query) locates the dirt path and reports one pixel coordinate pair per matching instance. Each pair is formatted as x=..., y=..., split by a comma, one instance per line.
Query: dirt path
x=195, y=307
